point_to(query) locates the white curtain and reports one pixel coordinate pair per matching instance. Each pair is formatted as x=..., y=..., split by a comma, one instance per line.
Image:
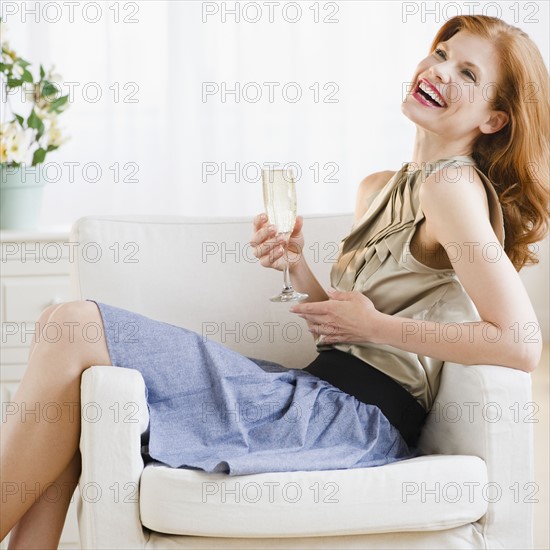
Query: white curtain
x=153, y=129
x=163, y=147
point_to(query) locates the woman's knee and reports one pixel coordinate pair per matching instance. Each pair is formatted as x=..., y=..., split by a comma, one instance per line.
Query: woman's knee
x=73, y=309
x=45, y=315
x=78, y=330
x=76, y=321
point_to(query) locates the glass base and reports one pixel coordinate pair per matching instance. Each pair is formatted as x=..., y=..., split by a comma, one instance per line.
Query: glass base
x=289, y=296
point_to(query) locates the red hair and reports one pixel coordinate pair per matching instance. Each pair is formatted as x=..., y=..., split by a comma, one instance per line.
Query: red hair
x=516, y=158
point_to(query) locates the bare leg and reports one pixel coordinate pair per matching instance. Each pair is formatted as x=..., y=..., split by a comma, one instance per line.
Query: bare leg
x=42, y=510
x=42, y=320
x=37, y=452
x=42, y=524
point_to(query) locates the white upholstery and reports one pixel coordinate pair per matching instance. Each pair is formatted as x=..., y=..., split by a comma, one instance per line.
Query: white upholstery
x=474, y=420
x=331, y=502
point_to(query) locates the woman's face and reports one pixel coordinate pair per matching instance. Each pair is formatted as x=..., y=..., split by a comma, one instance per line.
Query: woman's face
x=462, y=74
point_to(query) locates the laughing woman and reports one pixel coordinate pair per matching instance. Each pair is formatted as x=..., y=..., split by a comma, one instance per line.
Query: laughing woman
x=438, y=242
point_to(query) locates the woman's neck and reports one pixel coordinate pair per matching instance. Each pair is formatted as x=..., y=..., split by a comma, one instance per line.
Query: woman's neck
x=429, y=147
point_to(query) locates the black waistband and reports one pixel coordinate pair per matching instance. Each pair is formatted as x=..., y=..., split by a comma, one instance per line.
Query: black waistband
x=370, y=385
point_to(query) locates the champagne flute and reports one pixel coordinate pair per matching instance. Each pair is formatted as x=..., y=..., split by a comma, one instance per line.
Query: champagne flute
x=280, y=204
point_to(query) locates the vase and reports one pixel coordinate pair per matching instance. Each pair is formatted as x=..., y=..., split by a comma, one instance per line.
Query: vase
x=20, y=196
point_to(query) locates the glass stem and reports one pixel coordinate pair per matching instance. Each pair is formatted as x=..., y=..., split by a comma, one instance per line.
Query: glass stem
x=288, y=286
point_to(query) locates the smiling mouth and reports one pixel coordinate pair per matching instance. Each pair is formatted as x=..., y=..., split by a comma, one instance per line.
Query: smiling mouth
x=424, y=92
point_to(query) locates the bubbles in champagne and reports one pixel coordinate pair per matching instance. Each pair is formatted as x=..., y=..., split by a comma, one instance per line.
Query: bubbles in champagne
x=280, y=199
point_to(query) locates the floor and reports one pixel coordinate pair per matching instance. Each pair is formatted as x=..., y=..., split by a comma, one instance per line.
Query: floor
x=541, y=397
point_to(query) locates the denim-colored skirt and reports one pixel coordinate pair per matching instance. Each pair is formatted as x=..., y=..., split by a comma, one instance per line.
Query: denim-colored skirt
x=214, y=409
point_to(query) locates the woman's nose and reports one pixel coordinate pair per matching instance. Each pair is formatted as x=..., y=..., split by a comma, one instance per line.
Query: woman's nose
x=439, y=72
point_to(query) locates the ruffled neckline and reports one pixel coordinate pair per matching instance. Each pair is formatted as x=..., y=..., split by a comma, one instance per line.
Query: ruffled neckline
x=391, y=218
x=432, y=165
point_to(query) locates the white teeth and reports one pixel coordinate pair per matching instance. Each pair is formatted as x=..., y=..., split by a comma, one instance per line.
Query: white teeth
x=431, y=93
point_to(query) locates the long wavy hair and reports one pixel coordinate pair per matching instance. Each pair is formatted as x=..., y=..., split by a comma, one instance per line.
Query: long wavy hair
x=516, y=158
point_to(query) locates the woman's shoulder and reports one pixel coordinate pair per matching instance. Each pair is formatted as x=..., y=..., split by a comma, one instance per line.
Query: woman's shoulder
x=374, y=182
x=459, y=195
x=464, y=183
x=368, y=188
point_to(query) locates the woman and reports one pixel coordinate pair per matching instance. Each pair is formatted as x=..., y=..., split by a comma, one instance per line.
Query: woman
x=397, y=281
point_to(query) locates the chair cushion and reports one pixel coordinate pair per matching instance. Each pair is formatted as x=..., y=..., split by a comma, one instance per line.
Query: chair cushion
x=420, y=494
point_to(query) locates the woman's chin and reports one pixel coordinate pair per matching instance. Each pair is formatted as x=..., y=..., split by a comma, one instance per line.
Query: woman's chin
x=415, y=115
x=410, y=112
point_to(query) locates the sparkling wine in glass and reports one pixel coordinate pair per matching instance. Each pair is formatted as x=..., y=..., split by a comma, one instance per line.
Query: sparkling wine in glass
x=280, y=205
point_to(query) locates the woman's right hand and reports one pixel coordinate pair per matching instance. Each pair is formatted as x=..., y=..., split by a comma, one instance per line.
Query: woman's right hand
x=272, y=251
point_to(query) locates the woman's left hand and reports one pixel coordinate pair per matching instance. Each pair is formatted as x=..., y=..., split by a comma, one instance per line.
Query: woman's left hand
x=348, y=317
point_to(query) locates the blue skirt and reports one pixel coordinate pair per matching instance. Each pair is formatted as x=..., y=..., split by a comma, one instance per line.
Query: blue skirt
x=214, y=409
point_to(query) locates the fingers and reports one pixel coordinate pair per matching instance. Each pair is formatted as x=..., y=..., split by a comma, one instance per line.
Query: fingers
x=316, y=320
x=334, y=294
x=298, y=225
x=312, y=308
x=326, y=330
x=268, y=246
x=259, y=220
x=262, y=234
x=271, y=258
x=266, y=241
x=319, y=318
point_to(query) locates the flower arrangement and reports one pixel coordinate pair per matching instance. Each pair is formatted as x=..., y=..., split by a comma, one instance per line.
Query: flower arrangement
x=26, y=139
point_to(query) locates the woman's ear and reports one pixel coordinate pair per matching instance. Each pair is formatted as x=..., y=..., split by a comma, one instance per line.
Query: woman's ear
x=497, y=121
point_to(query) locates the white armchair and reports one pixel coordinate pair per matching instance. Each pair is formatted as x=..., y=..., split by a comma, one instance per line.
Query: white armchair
x=470, y=490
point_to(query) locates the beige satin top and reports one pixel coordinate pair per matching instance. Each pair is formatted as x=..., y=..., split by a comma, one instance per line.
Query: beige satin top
x=375, y=259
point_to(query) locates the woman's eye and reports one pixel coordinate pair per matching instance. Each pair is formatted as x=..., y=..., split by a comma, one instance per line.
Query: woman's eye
x=470, y=74
x=441, y=53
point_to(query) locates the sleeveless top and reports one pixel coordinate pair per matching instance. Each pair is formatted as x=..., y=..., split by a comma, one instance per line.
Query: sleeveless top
x=376, y=259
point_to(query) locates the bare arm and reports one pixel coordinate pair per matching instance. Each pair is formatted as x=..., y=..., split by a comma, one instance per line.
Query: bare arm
x=302, y=277
x=508, y=333
x=303, y=280
x=271, y=253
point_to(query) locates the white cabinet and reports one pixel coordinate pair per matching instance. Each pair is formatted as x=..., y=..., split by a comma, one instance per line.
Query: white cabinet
x=34, y=273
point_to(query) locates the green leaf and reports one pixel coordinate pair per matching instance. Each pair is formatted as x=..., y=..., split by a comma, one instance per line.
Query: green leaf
x=58, y=103
x=49, y=89
x=22, y=63
x=52, y=148
x=27, y=77
x=42, y=73
x=34, y=121
x=39, y=156
x=20, y=119
x=14, y=82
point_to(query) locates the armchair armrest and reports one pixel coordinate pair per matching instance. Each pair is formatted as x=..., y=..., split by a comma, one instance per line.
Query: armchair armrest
x=114, y=415
x=487, y=411
x=481, y=410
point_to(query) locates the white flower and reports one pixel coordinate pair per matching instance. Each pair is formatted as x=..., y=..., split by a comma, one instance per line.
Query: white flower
x=4, y=127
x=17, y=70
x=52, y=134
x=43, y=113
x=27, y=92
x=55, y=136
x=44, y=138
x=16, y=142
x=8, y=129
x=53, y=77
